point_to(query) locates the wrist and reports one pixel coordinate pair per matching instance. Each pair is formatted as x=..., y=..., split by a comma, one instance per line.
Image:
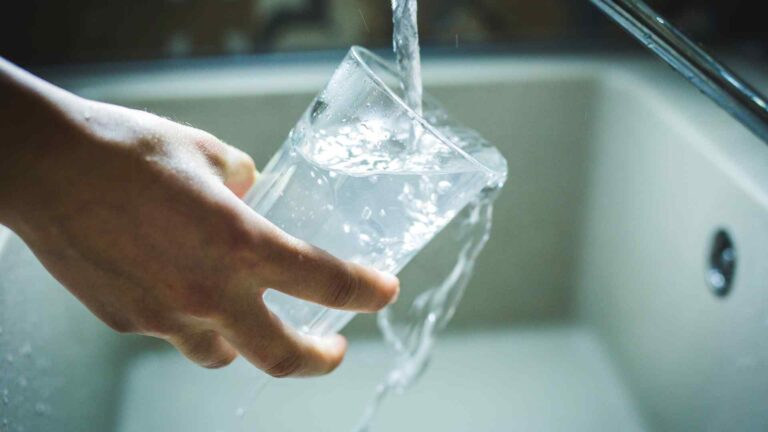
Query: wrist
x=37, y=118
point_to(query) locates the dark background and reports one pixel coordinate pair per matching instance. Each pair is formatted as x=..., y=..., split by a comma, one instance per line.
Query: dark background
x=47, y=32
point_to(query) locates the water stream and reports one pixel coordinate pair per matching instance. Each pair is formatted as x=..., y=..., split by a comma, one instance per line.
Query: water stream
x=411, y=329
x=405, y=42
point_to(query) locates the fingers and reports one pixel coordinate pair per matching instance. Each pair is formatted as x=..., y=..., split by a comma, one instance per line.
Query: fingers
x=304, y=271
x=273, y=347
x=206, y=348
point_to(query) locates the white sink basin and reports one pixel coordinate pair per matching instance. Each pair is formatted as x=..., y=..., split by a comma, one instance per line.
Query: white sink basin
x=589, y=310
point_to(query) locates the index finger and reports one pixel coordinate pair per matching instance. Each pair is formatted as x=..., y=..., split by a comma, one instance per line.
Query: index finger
x=310, y=273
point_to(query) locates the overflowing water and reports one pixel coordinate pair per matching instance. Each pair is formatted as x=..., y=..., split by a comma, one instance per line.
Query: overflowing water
x=412, y=331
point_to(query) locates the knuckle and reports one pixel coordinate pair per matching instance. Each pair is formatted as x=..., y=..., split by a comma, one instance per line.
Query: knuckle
x=213, y=149
x=220, y=361
x=202, y=348
x=288, y=364
x=344, y=288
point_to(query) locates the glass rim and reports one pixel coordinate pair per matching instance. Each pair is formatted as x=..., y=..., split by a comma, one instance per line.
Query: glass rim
x=363, y=57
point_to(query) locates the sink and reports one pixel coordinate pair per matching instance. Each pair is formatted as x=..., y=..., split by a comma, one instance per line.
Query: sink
x=591, y=307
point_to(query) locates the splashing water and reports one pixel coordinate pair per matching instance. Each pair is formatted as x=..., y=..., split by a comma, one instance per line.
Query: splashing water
x=414, y=335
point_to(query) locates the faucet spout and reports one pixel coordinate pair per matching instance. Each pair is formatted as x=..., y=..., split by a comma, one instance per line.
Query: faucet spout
x=711, y=77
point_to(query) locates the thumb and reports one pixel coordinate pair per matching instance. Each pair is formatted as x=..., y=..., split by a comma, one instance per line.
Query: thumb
x=239, y=171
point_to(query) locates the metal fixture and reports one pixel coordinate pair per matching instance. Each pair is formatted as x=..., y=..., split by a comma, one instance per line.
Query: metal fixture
x=712, y=78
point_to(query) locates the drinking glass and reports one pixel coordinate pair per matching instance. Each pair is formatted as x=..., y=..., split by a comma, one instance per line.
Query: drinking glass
x=369, y=180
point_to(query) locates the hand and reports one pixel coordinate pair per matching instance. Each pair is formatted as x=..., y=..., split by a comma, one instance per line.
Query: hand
x=140, y=218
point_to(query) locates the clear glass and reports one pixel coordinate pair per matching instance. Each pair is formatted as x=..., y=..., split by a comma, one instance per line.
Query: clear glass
x=364, y=177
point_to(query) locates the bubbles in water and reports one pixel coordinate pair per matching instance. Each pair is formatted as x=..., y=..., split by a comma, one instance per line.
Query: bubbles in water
x=443, y=186
x=367, y=212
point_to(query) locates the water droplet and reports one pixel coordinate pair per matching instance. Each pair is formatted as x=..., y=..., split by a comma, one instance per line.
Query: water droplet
x=42, y=409
x=25, y=349
x=366, y=213
x=443, y=186
x=346, y=228
x=382, y=212
x=317, y=109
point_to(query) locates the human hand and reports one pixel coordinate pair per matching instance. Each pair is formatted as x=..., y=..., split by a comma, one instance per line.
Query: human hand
x=141, y=219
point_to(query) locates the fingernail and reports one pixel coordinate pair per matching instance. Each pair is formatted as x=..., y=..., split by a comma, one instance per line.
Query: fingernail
x=391, y=279
x=388, y=277
x=335, y=342
x=397, y=294
x=394, y=297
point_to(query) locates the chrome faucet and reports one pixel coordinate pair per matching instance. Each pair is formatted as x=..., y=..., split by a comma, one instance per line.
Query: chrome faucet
x=711, y=77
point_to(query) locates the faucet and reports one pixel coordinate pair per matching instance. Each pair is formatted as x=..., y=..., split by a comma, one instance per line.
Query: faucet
x=711, y=77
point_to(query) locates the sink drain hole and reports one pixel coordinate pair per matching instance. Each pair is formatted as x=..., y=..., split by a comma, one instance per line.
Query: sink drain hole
x=722, y=263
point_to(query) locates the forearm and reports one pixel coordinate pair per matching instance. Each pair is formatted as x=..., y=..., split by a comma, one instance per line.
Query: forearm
x=32, y=114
